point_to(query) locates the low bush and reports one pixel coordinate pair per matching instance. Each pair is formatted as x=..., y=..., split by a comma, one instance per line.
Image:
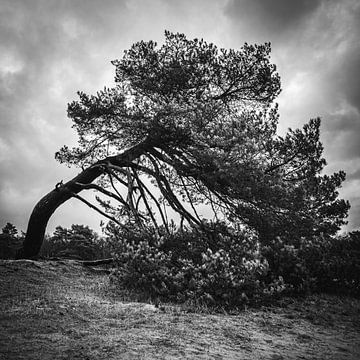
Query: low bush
x=338, y=271
x=319, y=264
x=220, y=266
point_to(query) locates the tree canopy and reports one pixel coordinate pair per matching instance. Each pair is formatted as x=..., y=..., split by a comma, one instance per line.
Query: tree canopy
x=200, y=122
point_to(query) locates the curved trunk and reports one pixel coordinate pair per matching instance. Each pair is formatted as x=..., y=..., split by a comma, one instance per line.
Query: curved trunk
x=46, y=207
x=49, y=203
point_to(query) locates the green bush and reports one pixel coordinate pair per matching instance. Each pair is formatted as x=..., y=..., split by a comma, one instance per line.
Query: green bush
x=339, y=268
x=10, y=241
x=219, y=266
x=320, y=264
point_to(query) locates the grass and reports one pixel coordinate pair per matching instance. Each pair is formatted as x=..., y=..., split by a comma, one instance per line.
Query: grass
x=60, y=310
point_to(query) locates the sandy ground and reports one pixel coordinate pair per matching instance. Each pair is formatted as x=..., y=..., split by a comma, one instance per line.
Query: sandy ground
x=60, y=310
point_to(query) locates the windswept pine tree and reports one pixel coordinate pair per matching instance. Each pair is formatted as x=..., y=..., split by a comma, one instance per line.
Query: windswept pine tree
x=200, y=122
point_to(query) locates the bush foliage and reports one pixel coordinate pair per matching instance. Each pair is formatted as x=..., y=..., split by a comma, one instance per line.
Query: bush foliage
x=229, y=267
x=218, y=266
x=327, y=264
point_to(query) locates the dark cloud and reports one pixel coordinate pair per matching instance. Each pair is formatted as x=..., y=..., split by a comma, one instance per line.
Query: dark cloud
x=270, y=16
x=344, y=120
x=344, y=146
x=353, y=175
x=341, y=132
x=348, y=75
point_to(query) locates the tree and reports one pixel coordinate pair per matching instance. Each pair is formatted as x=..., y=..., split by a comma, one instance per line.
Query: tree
x=78, y=241
x=200, y=123
x=9, y=229
x=9, y=241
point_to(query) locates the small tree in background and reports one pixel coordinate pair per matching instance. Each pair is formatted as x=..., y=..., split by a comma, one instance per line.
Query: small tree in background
x=10, y=242
x=200, y=124
x=78, y=241
x=9, y=229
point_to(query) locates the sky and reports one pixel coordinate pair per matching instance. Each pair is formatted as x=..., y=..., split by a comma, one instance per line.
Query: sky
x=50, y=49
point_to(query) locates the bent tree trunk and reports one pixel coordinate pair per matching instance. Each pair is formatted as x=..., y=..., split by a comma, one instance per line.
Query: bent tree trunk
x=46, y=207
x=49, y=203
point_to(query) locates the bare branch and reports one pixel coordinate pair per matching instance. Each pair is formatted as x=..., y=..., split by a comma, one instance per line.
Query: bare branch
x=143, y=196
x=96, y=208
x=144, y=187
x=105, y=192
x=169, y=195
x=190, y=199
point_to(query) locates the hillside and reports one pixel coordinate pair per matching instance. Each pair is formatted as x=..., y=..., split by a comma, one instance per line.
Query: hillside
x=61, y=310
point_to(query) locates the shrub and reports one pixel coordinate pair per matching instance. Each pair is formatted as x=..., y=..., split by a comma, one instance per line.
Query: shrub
x=321, y=264
x=218, y=265
x=339, y=268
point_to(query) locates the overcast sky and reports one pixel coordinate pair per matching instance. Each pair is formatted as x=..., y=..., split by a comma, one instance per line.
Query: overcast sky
x=49, y=49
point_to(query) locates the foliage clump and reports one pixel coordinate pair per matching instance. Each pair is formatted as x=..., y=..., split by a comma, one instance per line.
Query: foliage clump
x=221, y=266
x=320, y=264
x=228, y=267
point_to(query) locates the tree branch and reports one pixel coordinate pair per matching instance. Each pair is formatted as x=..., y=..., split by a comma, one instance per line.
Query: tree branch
x=163, y=217
x=169, y=195
x=96, y=208
x=143, y=196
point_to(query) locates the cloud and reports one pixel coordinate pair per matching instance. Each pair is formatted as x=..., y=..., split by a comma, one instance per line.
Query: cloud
x=44, y=60
x=347, y=81
x=341, y=134
x=347, y=192
x=271, y=20
x=272, y=15
x=355, y=175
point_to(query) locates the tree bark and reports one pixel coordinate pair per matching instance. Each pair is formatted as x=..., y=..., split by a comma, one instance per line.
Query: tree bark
x=49, y=203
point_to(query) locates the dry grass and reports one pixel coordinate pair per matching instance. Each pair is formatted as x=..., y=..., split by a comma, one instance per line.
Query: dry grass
x=59, y=310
